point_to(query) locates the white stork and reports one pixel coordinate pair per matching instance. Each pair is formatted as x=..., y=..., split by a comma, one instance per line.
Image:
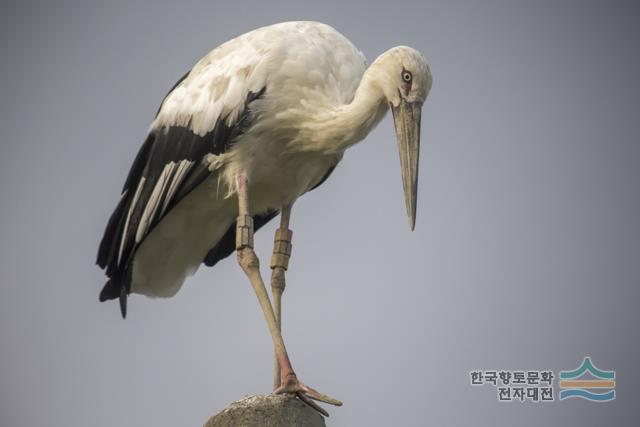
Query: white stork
x=256, y=123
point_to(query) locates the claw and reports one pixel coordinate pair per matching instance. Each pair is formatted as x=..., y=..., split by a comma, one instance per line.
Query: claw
x=313, y=404
x=306, y=393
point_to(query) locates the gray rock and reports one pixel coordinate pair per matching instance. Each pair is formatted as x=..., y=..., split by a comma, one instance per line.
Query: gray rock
x=267, y=411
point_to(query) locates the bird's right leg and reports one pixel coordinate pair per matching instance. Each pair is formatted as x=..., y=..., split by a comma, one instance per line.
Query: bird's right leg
x=250, y=265
x=279, y=264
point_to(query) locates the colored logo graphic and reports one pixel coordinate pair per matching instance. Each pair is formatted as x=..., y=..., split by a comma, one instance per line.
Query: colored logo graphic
x=602, y=381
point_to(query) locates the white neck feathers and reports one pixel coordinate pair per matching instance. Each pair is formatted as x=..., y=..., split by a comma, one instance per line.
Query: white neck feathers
x=334, y=129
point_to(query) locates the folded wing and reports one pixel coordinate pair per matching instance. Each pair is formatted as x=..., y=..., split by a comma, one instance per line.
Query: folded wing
x=203, y=114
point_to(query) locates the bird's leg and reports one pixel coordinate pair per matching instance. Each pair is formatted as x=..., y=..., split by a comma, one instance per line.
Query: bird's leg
x=250, y=265
x=279, y=264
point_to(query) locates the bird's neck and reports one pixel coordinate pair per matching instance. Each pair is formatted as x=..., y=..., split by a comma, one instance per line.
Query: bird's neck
x=342, y=126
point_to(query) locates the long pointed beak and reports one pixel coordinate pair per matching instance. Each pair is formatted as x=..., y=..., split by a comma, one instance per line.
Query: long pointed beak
x=406, y=118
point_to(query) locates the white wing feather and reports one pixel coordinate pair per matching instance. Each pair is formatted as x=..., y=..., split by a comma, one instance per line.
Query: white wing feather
x=217, y=86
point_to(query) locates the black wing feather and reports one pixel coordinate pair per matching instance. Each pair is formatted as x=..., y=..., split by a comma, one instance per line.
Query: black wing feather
x=324, y=178
x=227, y=244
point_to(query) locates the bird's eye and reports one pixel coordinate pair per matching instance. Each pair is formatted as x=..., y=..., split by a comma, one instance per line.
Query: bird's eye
x=406, y=76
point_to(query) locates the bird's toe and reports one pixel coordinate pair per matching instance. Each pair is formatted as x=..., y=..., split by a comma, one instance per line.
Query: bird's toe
x=306, y=394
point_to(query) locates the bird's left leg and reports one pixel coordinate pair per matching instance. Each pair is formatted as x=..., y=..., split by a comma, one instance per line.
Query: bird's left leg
x=250, y=265
x=279, y=264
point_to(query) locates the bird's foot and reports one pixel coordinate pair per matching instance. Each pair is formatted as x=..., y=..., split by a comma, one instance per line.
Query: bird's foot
x=306, y=394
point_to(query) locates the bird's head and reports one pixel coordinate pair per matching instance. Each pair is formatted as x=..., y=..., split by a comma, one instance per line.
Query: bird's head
x=404, y=77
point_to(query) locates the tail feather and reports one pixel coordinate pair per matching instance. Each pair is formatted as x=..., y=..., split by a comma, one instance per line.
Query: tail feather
x=123, y=301
x=115, y=289
x=109, y=291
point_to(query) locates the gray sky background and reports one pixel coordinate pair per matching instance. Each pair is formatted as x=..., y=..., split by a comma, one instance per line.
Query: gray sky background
x=525, y=254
